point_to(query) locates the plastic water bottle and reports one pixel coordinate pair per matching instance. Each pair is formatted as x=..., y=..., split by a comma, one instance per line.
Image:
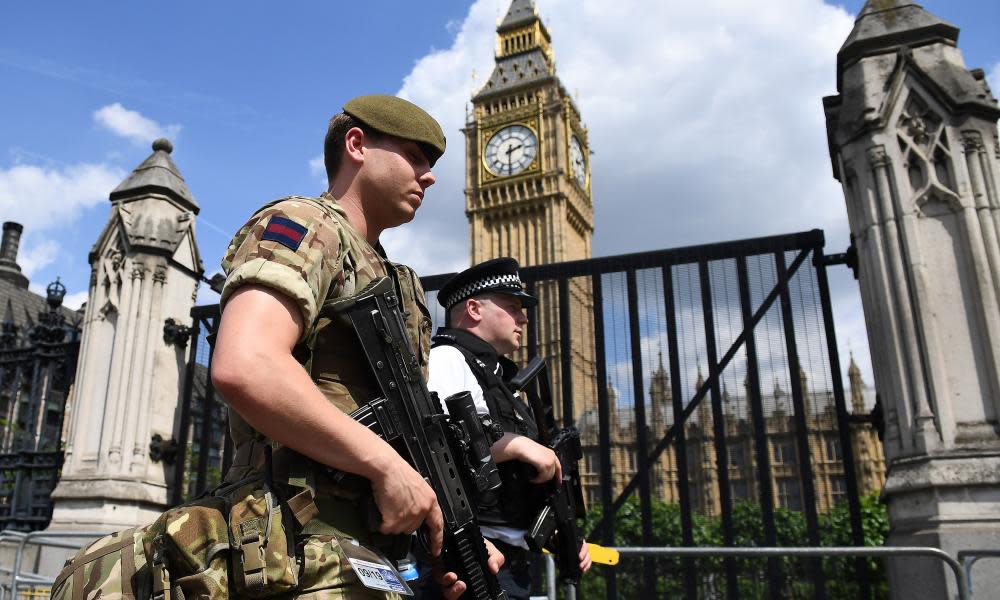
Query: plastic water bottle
x=407, y=568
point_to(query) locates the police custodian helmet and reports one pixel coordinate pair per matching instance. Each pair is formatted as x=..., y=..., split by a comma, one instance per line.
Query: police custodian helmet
x=497, y=276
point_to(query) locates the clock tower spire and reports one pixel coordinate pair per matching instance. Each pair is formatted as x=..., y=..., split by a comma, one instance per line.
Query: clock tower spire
x=527, y=191
x=527, y=162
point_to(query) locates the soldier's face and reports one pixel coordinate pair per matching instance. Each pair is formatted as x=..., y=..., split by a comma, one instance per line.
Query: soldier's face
x=503, y=321
x=397, y=174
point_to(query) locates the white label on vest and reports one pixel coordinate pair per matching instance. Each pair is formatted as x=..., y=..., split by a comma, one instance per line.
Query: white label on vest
x=372, y=567
x=378, y=576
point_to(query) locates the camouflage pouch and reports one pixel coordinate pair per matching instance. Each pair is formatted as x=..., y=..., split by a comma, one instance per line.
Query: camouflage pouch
x=189, y=548
x=113, y=566
x=263, y=543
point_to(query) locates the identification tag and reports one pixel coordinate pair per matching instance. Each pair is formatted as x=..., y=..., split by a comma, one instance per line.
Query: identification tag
x=378, y=576
x=373, y=569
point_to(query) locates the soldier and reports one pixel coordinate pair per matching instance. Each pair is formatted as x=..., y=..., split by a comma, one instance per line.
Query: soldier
x=486, y=321
x=291, y=373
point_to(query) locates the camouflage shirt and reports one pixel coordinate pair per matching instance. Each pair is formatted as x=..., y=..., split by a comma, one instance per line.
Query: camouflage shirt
x=305, y=249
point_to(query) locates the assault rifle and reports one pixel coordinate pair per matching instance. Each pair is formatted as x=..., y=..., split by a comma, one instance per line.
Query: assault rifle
x=555, y=528
x=449, y=451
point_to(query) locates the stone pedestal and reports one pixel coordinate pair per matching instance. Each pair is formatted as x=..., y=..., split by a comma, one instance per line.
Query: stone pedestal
x=913, y=140
x=145, y=270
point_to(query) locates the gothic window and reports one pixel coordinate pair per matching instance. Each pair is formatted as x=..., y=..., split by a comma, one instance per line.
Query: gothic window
x=833, y=452
x=784, y=452
x=789, y=494
x=737, y=456
x=739, y=489
x=838, y=489
x=924, y=145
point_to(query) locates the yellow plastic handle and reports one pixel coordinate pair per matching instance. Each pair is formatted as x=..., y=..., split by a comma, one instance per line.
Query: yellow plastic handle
x=602, y=555
x=599, y=554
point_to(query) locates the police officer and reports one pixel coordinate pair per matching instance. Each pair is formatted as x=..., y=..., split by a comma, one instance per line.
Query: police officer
x=486, y=317
x=291, y=374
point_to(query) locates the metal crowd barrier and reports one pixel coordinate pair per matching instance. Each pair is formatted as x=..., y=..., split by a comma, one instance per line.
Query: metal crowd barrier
x=969, y=558
x=961, y=570
x=821, y=552
x=40, y=539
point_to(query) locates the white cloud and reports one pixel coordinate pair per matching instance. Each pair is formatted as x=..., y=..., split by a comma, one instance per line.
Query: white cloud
x=132, y=125
x=407, y=245
x=43, y=198
x=72, y=301
x=993, y=78
x=38, y=256
x=317, y=168
x=75, y=301
x=705, y=120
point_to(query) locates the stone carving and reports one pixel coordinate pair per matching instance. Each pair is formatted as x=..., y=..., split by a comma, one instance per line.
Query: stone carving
x=112, y=282
x=972, y=142
x=919, y=122
x=878, y=157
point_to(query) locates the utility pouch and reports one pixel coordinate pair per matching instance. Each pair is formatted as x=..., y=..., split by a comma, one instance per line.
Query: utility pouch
x=112, y=566
x=263, y=541
x=188, y=549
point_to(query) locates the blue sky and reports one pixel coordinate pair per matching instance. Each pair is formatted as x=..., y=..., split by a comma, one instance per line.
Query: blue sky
x=705, y=119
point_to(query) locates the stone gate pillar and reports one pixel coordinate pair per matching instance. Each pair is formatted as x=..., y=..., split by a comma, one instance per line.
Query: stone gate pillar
x=913, y=139
x=145, y=268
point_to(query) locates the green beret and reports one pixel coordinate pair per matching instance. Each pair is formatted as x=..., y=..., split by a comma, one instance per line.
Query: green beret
x=401, y=118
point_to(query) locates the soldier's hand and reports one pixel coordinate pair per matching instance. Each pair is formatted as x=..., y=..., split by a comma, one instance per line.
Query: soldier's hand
x=406, y=501
x=451, y=587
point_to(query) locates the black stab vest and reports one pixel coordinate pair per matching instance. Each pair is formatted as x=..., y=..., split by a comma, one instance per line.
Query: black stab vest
x=519, y=498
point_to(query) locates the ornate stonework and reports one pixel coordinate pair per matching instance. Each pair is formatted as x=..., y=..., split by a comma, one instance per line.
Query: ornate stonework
x=927, y=224
x=145, y=267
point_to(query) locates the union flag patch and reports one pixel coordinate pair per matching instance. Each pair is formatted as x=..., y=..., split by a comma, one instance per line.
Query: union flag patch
x=285, y=231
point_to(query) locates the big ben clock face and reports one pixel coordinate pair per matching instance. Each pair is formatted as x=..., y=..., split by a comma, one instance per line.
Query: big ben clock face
x=577, y=161
x=511, y=150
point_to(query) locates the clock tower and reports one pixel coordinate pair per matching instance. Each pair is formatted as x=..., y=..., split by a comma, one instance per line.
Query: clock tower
x=528, y=183
x=527, y=157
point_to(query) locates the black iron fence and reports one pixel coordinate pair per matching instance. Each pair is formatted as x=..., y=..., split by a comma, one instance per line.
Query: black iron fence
x=706, y=384
x=37, y=366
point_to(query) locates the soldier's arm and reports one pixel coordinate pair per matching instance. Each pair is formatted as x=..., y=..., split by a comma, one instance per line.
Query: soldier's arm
x=517, y=447
x=253, y=368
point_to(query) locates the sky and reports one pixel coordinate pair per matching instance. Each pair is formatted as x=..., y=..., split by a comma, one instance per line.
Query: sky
x=705, y=119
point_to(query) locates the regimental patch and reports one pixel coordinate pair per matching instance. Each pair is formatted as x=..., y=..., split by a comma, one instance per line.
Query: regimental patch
x=285, y=231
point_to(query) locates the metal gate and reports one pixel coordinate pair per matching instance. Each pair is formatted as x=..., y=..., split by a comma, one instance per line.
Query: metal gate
x=37, y=366
x=742, y=429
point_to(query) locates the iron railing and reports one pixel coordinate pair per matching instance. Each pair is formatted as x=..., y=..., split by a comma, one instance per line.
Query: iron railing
x=696, y=430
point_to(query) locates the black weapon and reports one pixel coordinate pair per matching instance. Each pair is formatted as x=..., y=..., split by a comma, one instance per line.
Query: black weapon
x=555, y=528
x=410, y=418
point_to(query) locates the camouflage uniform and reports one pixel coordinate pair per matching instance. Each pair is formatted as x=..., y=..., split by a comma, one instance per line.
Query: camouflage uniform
x=233, y=539
x=332, y=261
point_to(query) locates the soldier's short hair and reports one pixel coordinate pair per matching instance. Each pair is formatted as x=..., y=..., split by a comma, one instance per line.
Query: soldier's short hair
x=333, y=145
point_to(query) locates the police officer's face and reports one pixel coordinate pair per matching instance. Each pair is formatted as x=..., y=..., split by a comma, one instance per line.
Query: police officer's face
x=503, y=321
x=398, y=173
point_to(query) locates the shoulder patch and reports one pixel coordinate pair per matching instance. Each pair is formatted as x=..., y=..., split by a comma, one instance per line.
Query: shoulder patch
x=285, y=231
